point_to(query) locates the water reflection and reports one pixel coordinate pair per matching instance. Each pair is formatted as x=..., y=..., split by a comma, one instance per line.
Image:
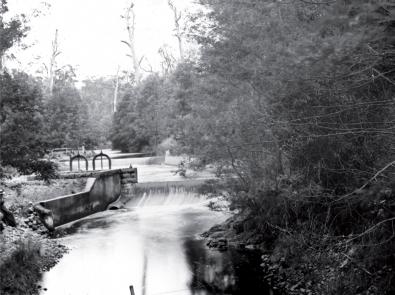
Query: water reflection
x=229, y=272
x=154, y=248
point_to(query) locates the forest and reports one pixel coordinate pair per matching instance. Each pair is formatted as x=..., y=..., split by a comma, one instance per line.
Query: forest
x=292, y=102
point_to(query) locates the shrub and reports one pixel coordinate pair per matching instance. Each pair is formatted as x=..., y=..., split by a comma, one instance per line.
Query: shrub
x=8, y=172
x=21, y=121
x=21, y=271
x=45, y=170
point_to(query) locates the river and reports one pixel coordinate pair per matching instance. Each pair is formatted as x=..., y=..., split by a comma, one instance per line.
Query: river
x=152, y=244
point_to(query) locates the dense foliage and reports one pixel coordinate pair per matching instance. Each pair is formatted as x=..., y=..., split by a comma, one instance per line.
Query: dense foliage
x=33, y=121
x=291, y=101
x=31, y=124
x=67, y=115
x=296, y=99
x=98, y=96
x=142, y=117
x=22, y=134
x=11, y=31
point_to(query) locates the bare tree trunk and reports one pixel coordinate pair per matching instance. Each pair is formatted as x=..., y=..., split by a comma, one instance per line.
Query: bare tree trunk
x=168, y=61
x=130, y=18
x=116, y=91
x=178, y=34
x=52, y=64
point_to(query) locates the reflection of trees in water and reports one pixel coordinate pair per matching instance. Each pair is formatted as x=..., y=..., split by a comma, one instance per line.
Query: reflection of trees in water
x=228, y=272
x=144, y=273
x=210, y=272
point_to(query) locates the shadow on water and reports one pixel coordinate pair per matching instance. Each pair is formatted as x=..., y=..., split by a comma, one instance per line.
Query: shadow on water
x=229, y=272
x=152, y=245
x=92, y=222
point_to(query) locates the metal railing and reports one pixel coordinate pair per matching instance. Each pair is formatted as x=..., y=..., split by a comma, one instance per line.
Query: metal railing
x=101, y=155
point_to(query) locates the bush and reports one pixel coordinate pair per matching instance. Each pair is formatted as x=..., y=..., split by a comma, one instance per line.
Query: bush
x=45, y=170
x=309, y=227
x=8, y=172
x=21, y=271
x=21, y=121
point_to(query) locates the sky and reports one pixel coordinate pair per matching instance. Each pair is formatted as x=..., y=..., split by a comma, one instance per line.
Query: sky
x=90, y=33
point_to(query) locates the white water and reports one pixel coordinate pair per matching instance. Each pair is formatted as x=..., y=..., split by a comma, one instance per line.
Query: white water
x=142, y=247
x=151, y=245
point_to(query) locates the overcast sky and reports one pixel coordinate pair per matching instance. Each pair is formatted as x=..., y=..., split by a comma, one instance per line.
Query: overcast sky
x=90, y=32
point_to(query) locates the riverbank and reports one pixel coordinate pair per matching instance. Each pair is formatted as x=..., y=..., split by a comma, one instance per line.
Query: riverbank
x=27, y=250
x=297, y=260
x=239, y=232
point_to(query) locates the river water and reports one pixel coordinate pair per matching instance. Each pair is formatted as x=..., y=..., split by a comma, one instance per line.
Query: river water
x=153, y=245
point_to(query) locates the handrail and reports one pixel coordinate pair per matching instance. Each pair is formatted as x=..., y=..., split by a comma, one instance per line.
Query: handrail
x=78, y=157
x=101, y=155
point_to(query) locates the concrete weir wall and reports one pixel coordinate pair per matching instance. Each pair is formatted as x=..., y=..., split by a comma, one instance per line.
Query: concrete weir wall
x=106, y=188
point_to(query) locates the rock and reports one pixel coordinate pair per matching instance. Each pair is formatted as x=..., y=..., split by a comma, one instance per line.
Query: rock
x=217, y=235
x=223, y=241
x=212, y=243
x=221, y=244
x=217, y=227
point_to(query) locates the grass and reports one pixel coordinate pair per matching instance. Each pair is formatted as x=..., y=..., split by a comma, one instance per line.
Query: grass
x=18, y=194
x=21, y=270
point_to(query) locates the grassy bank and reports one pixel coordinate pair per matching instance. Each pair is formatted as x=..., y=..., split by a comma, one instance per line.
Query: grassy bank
x=20, y=270
x=27, y=250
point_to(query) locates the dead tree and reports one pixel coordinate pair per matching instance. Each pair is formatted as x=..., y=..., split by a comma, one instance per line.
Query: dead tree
x=168, y=60
x=177, y=28
x=130, y=19
x=52, y=63
x=148, y=67
x=116, y=89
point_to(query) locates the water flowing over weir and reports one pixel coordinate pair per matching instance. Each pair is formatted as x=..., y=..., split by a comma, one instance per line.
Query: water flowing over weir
x=170, y=194
x=153, y=245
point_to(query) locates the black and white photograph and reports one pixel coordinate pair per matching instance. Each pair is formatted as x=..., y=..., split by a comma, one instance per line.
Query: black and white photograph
x=197, y=147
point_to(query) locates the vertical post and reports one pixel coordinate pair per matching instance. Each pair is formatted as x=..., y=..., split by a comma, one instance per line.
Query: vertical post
x=131, y=290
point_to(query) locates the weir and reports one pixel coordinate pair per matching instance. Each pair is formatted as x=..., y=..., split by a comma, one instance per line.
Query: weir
x=166, y=193
x=103, y=189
